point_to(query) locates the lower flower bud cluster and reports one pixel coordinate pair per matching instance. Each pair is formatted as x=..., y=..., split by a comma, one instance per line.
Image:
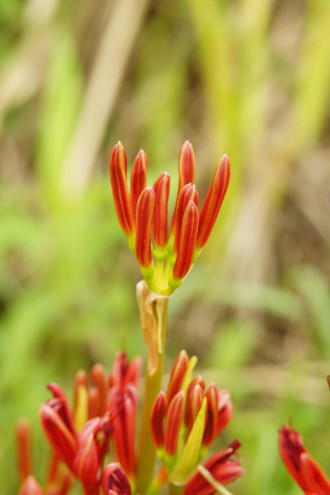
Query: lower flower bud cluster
x=94, y=441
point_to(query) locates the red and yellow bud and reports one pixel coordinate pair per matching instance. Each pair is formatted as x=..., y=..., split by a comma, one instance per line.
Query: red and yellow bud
x=100, y=380
x=225, y=410
x=302, y=467
x=173, y=423
x=187, y=241
x=87, y=464
x=123, y=404
x=213, y=201
x=23, y=435
x=195, y=398
x=220, y=467
x=114, y=480
x=219, y=413
x=118, y=179
x=94, y=402
x=187, y=166
x=57, y=422
x=144, y=213
x=125, y=373
x=179, y=370
x=187, y=193
x=63, y=441
x=138, y=178
x=157, y=418
x=160, y=216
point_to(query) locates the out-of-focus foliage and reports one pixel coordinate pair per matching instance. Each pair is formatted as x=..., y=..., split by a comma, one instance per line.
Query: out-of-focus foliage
x=246, y=77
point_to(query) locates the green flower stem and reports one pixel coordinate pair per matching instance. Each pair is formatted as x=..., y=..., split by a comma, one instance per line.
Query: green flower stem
x=176, y=489
x=153, y=315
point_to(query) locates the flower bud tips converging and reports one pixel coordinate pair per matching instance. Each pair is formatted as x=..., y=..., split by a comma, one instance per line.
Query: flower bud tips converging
x=165, y=255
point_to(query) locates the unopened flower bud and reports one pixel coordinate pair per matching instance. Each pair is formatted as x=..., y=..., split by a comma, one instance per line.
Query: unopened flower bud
x=187, y=166
x=23, y=434
x=114, y=480
x=179, y=370
x=187, y=241
x=144, y=213
x=213, y=201
x=173, y=423
x=160, y=216
x=87, y=464
x=118, y=179
x=157, y=417
x=138, y=178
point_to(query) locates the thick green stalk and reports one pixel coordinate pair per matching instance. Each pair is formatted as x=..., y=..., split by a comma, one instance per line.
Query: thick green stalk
x=153, y=314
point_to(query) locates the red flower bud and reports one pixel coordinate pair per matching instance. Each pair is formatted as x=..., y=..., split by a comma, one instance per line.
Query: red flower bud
x=118, y=179
x=23, y=434
x=213, y=201
x=94, y=402
x=114, y=480
x=138, y=178
x=57, y=423
x=173, y=423
x=100, y=379
x=225, y=410
x=219, y=412
x=187, y=166
x=302, y=467
x=157, y=417
x=144, y=213
x=194, y=403
x=160, y=216
x=221, y=467
x=125, y=373
x=123, y=405
x=187, y=193
x=187, y=241
x=177, y=375
x=87, y=464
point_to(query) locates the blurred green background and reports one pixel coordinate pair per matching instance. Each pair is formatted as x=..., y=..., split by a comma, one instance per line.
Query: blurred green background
x=246, y=77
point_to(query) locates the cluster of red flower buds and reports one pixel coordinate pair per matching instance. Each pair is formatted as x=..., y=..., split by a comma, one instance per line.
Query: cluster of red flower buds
x=184, y=423
x=301, y=465
x=165, y=255
x=103, y=413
